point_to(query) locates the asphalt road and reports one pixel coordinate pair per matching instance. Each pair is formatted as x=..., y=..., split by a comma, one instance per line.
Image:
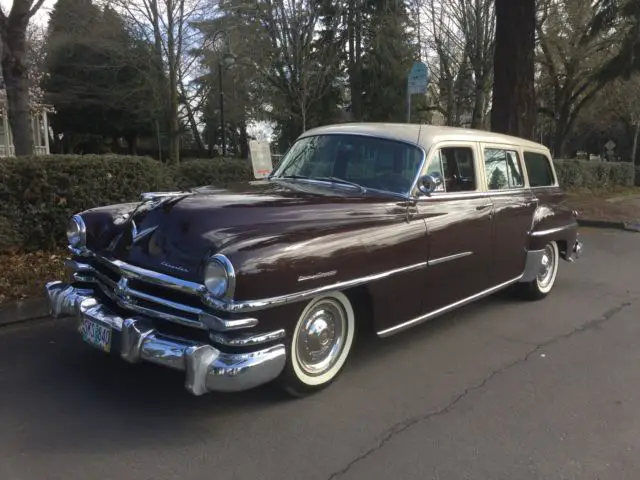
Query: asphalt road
x=498, y=390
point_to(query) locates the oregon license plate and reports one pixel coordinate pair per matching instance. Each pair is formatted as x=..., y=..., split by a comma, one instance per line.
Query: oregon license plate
x=96, y=334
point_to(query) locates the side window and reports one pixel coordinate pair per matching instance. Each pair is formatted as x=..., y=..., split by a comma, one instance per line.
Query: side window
x=456, y=168
x=539, y=170
x=503, y=169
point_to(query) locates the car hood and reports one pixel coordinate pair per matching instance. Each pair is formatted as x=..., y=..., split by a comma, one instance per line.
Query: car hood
x=176, y=233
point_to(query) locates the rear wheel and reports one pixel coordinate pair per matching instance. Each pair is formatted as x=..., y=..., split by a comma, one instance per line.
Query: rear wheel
x=546, y=278
x=320, y=344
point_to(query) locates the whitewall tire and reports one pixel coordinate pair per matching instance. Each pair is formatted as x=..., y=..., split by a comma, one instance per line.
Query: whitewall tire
x=320, y=344
x=546, y=278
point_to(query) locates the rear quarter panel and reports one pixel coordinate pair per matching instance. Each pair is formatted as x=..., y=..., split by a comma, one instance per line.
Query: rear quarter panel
x=553, y=219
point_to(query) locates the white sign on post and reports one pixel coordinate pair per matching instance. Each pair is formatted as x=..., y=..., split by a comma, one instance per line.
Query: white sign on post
x=260, y=153
x=417, y=83
x=418, y=79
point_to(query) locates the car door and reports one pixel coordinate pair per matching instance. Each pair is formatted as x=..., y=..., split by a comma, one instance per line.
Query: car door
x=459, y=226
x=513, y=206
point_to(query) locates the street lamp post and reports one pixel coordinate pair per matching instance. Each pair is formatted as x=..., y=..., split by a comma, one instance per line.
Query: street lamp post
x=227, y=61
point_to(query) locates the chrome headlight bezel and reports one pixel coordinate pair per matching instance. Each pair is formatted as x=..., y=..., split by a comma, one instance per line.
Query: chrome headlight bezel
x=219, y=277
x=76, y=232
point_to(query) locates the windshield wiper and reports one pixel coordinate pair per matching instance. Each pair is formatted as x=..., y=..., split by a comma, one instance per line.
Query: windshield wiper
x=343, y=181
x=292, y=176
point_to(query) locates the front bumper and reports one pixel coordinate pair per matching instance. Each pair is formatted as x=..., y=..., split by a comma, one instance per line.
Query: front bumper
x=206, y=368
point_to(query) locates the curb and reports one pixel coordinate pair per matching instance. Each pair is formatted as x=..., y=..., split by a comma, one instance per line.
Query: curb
x=23, y=311
x=618, y=225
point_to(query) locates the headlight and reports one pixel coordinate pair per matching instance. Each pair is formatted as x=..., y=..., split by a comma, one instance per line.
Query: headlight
x=219, y=277
x=76, y=232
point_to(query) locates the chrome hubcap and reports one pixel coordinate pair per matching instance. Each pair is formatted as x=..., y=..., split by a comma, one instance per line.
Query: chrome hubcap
x=321, y=337
x=547, y=266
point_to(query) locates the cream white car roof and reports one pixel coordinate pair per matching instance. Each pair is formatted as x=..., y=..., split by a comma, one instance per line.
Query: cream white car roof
x=423, y=135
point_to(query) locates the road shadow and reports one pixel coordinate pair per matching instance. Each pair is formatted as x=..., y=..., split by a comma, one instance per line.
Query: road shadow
x=64, y=396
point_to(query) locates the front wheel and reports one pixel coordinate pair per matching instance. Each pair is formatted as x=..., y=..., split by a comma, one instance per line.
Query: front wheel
x=546, y=279
x=320, y=344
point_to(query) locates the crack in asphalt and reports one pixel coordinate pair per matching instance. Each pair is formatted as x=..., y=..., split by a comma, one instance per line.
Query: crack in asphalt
x=404, y=425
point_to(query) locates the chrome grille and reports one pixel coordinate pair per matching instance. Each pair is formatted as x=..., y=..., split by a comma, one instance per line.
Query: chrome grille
x=143, y=291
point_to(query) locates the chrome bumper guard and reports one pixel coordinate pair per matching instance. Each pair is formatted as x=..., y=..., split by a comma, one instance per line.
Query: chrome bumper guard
x=206, y=368
x=576, y=251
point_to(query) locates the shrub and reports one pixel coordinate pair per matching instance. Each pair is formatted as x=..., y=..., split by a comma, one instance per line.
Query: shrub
x=594, y=175
x=38, y=194
x=220, y=173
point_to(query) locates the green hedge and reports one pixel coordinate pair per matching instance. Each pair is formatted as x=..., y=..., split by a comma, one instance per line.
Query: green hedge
x=38, y=194
x=586, y=174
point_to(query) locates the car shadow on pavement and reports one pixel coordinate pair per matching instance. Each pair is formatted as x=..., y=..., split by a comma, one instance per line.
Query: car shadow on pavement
x=77, y=399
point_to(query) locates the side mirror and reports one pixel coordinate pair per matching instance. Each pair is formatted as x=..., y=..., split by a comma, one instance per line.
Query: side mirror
x=427, y=184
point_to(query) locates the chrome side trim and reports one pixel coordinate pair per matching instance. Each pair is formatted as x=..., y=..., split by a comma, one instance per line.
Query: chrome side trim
x=406, y=325
x=448, y=258
x=247, y=340
x=550, y=231
x=133, y=272
x=252, y=305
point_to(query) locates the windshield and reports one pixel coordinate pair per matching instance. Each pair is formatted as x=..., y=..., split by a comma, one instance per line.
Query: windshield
x=368, y=162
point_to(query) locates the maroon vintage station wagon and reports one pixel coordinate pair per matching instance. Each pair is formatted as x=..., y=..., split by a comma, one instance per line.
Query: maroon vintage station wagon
x=383, y=225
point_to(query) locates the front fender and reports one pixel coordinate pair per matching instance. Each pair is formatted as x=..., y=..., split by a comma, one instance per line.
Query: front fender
x=287, y=261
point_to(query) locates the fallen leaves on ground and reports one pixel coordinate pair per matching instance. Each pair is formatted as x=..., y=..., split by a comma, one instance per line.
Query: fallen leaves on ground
x=24, y=274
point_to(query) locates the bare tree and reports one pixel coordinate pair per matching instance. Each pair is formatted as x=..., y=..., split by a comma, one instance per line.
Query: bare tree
x=571, y=60
x=462, y=34
x=300, y=70
x=13, y=33
x=167, y=25
x=619, y=100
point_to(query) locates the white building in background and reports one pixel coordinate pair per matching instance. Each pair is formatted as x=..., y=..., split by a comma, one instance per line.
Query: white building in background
x=39, y=125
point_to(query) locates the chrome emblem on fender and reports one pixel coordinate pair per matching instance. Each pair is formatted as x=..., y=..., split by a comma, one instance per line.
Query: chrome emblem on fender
x=137, y=236
x=317, y=276
x=174, y=267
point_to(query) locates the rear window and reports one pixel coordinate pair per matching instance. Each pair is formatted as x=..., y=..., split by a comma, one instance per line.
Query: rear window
x=539, y=170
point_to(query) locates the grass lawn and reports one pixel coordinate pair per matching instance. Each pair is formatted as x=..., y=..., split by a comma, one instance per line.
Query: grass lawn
x=617, y=205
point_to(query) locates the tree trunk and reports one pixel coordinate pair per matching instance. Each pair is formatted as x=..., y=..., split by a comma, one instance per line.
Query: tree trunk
x=354, y=68
x=132, y=143
x=17, y=87
x=244, y=140
x=514, y=96
x=634, y=150
x=174, y=127
x=477, y=117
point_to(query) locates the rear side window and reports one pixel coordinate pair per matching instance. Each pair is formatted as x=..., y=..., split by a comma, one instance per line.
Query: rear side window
x=503, y=169
x=539, y=170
